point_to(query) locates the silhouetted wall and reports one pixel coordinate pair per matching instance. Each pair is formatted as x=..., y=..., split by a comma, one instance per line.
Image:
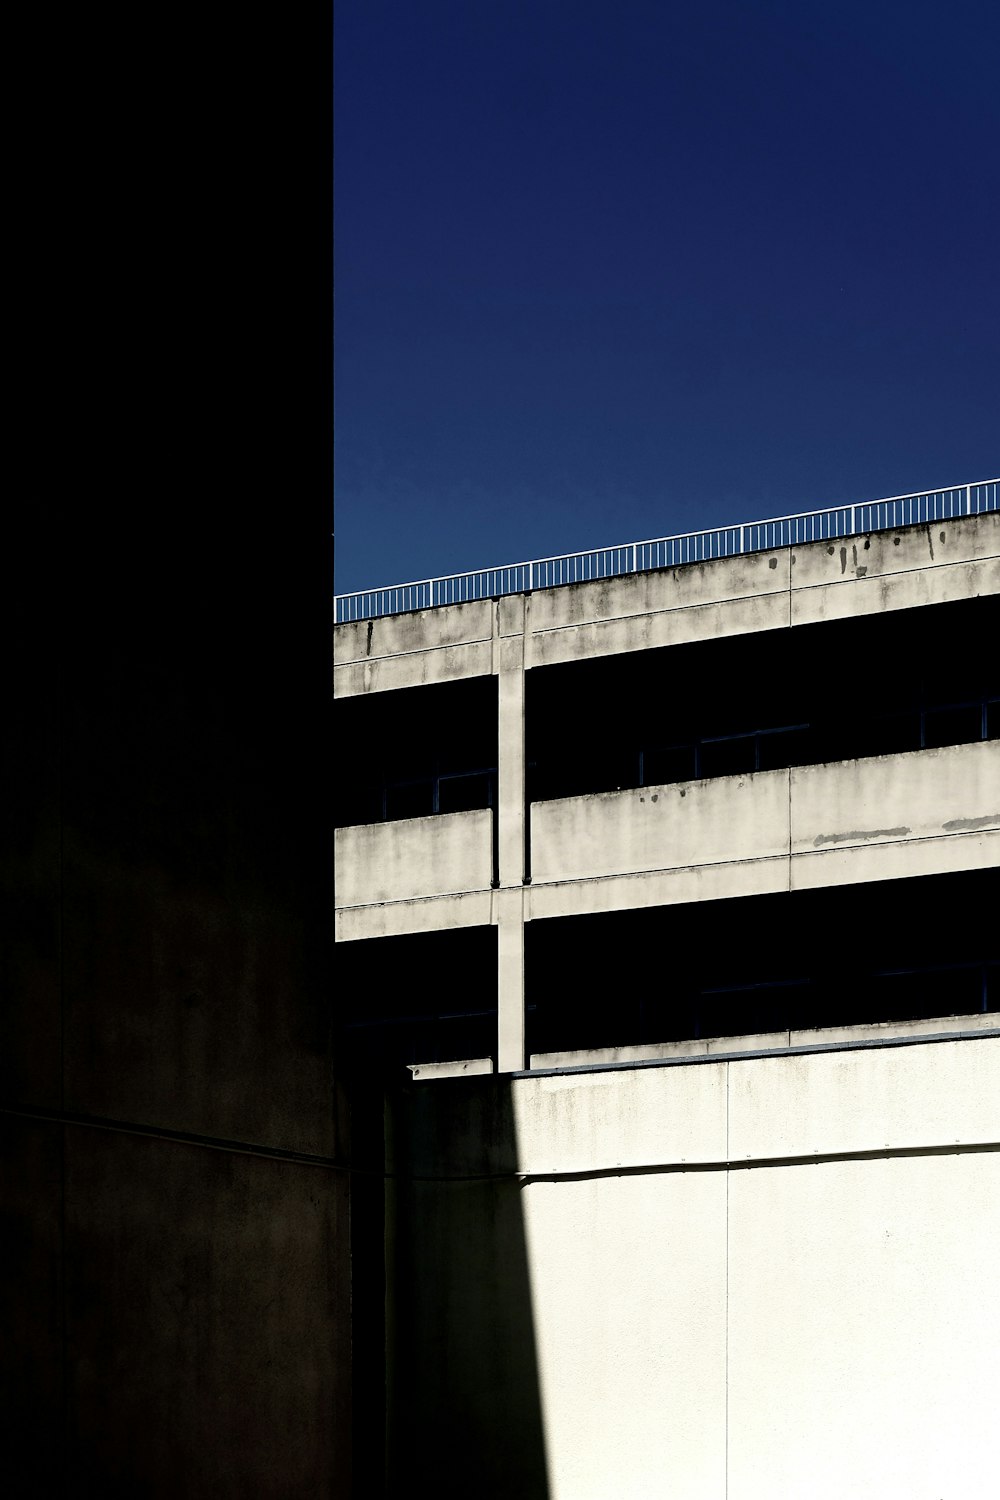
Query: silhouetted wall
x=176, y=1239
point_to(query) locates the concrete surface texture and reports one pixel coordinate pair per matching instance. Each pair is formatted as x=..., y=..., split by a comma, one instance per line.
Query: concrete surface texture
x=176, y=1299
x=940, y=798
x=436, y=856
x=723, y=1279
x=916, y=566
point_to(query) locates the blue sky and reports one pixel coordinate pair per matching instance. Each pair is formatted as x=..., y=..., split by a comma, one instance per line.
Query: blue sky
x=606, y=271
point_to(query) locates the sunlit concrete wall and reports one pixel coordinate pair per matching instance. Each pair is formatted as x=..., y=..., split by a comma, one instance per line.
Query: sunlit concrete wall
x=431, y=645
x=922, y=812
x=745, y=1278
x=912, y=567
x=415, y=857
x=919, y=813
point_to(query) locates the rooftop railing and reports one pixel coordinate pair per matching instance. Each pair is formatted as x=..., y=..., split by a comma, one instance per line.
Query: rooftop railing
x=673, y=551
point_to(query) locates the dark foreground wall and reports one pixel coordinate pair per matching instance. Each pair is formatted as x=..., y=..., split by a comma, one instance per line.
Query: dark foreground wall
x=176, y=1304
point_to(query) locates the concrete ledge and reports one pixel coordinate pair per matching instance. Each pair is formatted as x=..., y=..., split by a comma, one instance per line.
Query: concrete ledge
x=419, y=630
x=472, y=1067
x=429, y=914
x=413, y=669
x=725, y=1046
x=904, y=569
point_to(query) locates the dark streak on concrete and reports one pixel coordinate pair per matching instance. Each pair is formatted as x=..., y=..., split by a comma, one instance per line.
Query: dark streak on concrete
x=859, y=833
x=930, y=543
x=843, y=560
x=970, y=824
x=368, y=643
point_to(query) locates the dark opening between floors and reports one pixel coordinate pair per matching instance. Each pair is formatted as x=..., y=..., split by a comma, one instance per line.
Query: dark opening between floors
x=416, y=752
x=884, y=951
x=877, y=685
x=419, y=998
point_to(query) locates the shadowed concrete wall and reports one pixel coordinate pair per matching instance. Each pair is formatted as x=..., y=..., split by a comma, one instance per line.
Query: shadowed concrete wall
x=747, y=1278
x=176, y=1297
x=464, y=1411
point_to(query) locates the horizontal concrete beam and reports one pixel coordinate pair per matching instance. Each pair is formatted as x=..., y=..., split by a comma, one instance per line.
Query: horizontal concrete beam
x=909, y=568
x=423, y=914
x=725, y=1046
x=924, y=812
x=888, y=817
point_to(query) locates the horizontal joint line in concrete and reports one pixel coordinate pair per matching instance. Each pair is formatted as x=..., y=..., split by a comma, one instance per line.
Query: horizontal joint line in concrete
x=359, y=661
x=801, y=1159
x=775, y=593
x=478, y=890
x=666, y=609
x=539, y=883
x=178, y=1137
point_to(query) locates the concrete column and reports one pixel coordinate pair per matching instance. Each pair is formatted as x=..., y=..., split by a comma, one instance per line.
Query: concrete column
x=509, y=663
x=510, y=981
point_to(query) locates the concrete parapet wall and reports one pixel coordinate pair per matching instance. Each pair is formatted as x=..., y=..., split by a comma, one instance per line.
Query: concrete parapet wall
x=439, y=856
x=921, y=812
x=904, y=569
x=721, y=1046
x=409, y=650
x=660, y=827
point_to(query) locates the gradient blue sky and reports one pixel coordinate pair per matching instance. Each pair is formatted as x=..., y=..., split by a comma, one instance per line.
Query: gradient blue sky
x=606, y=271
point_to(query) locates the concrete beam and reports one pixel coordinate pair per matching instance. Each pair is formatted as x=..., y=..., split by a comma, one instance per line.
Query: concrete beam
x=885, y=817
x=905, y=569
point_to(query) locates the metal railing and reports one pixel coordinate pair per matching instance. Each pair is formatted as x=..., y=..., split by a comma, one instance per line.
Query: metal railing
x=673, y=551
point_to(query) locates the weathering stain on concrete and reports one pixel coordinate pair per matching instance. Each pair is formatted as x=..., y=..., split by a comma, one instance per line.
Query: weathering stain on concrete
x=854, y=834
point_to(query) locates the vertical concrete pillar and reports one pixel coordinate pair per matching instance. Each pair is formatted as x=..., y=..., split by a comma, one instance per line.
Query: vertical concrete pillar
x=509, y=664
x=510, y=981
